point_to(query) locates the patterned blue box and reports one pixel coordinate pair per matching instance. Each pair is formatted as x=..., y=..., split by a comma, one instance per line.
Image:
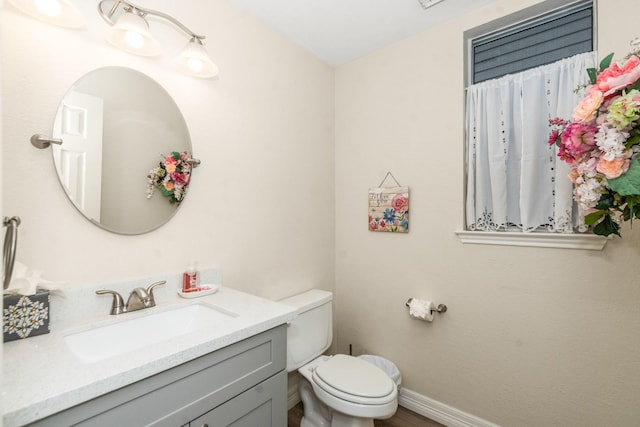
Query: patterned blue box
x=25, y=316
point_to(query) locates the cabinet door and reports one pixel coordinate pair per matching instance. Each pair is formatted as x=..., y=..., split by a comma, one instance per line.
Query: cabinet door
x=264, y=405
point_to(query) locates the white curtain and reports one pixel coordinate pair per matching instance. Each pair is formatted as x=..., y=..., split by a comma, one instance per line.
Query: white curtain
x=514, y=178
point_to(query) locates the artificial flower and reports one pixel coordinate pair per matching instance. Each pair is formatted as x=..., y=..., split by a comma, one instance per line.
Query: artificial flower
x=610, y=142
x=615, y=77
x=586, y=110
x=623, y=111
x=612, y=168
x=578, y=138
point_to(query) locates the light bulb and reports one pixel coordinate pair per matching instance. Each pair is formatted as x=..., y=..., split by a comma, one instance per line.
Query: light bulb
x=194, y=60
x=131, y=34
x=195, y=65
x=48, y=7
x=56, y=12
x=134, y=39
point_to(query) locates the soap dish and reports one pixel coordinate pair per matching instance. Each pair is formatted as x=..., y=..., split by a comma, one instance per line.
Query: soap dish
x=200, y=291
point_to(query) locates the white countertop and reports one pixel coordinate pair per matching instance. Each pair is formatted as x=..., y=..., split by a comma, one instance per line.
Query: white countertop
x=42, y=376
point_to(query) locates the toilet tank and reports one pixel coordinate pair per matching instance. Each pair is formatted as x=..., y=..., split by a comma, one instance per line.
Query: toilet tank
x=311, y=332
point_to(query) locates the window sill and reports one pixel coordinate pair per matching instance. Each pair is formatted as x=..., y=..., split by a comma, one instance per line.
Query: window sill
x=538, y=240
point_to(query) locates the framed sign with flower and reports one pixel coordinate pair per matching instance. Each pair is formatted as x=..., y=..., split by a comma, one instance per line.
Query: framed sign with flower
x=389, y=208
x=601, y=143
x=172, y=176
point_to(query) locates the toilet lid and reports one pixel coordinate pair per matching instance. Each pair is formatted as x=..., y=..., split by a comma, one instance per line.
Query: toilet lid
x=353, y=377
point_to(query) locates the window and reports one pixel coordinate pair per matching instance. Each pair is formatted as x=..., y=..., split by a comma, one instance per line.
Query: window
x=522, y=71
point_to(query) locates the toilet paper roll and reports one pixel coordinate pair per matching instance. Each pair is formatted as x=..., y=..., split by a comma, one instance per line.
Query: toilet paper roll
x=421, y=309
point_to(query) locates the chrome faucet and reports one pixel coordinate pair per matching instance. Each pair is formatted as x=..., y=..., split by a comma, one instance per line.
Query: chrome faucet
x=139, y=298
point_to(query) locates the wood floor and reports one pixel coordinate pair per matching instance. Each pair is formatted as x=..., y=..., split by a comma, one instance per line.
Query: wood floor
x=402, y=418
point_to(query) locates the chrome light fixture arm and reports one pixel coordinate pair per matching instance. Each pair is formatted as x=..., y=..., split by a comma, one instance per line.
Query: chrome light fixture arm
x=143, y=12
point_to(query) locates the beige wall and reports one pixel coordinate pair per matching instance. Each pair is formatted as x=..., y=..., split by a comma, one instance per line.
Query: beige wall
x=261, y=204
x=532, y=336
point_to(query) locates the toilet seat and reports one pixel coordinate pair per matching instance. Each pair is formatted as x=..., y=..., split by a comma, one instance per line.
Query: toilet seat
x=354, y=380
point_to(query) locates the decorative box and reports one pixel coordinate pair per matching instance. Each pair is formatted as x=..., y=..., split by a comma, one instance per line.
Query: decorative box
x=25, y=316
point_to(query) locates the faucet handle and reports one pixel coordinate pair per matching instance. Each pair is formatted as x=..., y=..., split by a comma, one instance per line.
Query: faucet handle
x=117, y=306
x=152, y=299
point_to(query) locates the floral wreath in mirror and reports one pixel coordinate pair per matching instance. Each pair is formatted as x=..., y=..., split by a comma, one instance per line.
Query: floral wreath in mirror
x=171, y=177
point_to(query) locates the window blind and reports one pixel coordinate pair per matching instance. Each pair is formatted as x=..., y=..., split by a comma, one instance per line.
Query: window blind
x=539, y=41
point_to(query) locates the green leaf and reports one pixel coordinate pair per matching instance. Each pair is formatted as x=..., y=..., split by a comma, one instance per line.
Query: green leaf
x=593, y=74
x=606, y=227
x=633, y=140
x=629, y=183
x=605, y=202
x=606, y=61
x=594, y=217
x=636, y=85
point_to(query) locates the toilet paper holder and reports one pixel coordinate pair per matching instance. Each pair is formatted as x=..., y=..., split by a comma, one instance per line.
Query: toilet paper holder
x=440, y=308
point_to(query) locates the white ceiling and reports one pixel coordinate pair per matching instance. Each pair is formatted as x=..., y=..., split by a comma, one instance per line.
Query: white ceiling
x=339, y=31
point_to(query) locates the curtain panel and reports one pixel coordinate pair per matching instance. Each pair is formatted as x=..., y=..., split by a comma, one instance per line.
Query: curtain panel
x=514, y=179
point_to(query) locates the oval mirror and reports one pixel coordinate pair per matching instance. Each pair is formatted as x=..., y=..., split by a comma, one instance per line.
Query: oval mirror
x=117, y=125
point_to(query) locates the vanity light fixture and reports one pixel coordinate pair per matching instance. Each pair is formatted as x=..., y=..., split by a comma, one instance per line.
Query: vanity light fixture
x=56, y=12
x=130, y=32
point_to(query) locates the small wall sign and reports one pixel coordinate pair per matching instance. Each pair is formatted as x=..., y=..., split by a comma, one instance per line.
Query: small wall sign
x=389, y=208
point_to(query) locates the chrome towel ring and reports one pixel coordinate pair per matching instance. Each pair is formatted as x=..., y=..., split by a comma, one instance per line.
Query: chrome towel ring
x=9, y=249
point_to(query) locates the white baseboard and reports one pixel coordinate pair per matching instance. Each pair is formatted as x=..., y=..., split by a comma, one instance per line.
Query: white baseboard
x=438, y=411
x=423, y=405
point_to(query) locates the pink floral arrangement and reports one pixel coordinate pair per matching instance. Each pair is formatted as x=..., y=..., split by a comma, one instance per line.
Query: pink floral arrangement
x=601, y=143
x=171, y=176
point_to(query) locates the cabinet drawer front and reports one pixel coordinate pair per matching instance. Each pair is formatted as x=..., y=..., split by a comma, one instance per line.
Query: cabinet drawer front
x=265, y=405
x=178, y=395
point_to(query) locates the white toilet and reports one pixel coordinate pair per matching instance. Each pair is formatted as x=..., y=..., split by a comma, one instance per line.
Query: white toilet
x=336, y=391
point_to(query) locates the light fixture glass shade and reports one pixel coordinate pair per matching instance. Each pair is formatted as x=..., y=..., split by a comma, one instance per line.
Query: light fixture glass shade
x=56, y=12
x=195, y=61
x=131, y=34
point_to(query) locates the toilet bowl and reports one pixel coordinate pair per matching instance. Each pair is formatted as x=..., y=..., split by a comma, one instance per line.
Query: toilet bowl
x=336, y=391
x=352, y=387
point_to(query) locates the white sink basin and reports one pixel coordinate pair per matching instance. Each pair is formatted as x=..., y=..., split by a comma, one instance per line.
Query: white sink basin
x=137, y=332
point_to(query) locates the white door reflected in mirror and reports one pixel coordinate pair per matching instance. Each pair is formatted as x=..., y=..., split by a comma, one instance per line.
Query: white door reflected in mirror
x=79, y=160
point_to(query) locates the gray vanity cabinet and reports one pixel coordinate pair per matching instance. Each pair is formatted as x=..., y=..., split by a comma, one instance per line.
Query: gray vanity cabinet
x=244, y=385
x=252, y=408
